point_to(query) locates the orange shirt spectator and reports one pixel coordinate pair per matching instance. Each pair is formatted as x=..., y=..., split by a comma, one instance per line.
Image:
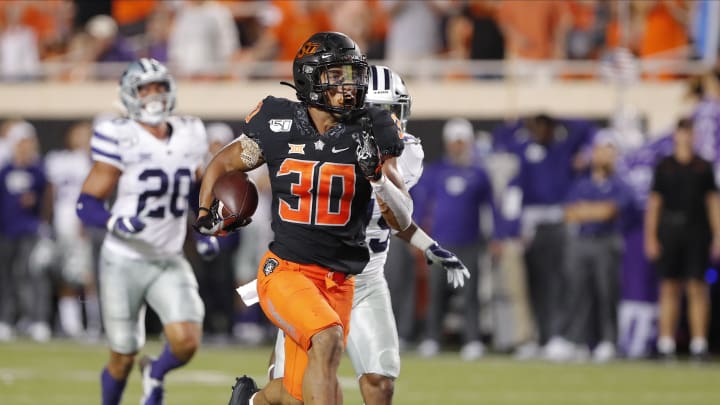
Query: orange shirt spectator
x=534, y=29
x=131, y=11
x=298, y=21
x=665, y=28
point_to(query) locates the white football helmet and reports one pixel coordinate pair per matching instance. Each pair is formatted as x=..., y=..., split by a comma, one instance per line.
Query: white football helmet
x=387, y=90
x=153, y=109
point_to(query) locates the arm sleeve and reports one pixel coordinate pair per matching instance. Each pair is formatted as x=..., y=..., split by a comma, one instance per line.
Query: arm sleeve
x=105, y=145
x=709, y=180
x=657, y=179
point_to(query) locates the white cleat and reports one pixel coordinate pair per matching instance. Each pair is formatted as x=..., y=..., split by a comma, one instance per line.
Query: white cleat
x=152, y=388
x=428, y=348
x=604, y=352
x=472, y=351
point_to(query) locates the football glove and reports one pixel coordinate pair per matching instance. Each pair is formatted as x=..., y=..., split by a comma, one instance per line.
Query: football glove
x=212, y=224
x=368, y=156
x=125, y=227
x=456, y=270
x=207, y=247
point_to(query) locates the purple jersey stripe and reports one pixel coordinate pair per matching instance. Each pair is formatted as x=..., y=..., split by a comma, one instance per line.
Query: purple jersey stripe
x=105, y=137
x=105, y=154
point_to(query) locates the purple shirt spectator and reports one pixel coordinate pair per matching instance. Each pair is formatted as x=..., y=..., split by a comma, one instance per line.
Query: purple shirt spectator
x=546, y=170
x=610, y=189
x=21, y=192
x=447, y=201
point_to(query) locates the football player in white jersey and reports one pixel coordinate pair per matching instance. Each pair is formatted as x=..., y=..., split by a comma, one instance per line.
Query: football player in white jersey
x=66, y=171
x=151, y=161
x=373, y=345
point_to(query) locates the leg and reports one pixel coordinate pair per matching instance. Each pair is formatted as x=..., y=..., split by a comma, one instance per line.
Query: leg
x=320, y=384
x=121, y=291
x=174, y=296
x=512, y=269
x=435, y=311
x=274, y=393
x=401, y=282
x=373, y=345
x=377, y=389
x=114, y=377
x=606, y=281
x=577, y=274
x=669, y=302
x=698, y=314
x=312, y=306
x=470, y=256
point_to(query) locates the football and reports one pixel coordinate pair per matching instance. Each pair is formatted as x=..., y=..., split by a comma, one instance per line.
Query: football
x=237, y=194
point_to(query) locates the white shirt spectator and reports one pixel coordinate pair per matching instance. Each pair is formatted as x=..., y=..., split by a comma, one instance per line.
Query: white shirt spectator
x=19, y=58
x=203, y=39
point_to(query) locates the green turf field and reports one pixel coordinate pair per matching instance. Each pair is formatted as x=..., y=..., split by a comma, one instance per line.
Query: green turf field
x=63, y=373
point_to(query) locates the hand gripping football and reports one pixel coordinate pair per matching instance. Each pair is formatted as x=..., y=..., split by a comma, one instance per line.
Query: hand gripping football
x=238, y=198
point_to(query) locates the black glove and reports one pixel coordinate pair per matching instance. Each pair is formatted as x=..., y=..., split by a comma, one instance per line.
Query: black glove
x=213, y=224
x=368, y=156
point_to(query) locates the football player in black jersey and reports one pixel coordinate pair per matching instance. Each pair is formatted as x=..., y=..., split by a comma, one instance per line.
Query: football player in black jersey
x=325, y=155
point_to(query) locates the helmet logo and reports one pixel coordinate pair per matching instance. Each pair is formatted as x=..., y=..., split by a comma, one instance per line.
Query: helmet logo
x=308, y=48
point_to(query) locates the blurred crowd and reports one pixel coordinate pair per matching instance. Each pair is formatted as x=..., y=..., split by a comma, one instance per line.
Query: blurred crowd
x=216, y=39
x=548, y=213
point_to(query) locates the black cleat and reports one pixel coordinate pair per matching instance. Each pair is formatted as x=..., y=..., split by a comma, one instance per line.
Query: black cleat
x=243, y=389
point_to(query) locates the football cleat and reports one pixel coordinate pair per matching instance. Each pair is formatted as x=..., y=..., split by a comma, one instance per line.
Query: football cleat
x=243, y=390
x=152, y=388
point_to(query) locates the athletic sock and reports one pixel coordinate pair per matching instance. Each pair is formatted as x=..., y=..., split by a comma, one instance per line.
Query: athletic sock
x=166, y=362
x=111, y=388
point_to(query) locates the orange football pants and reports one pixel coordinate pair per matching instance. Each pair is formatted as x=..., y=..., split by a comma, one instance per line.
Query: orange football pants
x=302, y=300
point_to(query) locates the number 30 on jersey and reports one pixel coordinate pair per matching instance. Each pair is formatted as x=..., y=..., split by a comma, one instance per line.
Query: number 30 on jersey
x=330, y=204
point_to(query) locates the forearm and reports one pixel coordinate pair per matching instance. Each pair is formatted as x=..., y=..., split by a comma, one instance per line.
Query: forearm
x=598, y=211
x=713, y=208
x=241, y=154
x=652, y=215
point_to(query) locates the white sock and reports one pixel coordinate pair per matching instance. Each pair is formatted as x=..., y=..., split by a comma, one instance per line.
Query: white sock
x=698, y=345
x=70, y=316
x=666, y=345
x=252, y=398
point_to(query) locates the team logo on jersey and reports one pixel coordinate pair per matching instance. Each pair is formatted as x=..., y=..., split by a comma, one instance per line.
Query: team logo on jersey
x=319, y=145
x=535, y=153
x=269, y=266
x=297, y=148
x=280, y=125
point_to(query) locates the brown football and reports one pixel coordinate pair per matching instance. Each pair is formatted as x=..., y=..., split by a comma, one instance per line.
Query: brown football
x=237, y=194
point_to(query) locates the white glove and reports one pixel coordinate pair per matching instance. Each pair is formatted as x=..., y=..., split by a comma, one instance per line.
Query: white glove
x=456, y=270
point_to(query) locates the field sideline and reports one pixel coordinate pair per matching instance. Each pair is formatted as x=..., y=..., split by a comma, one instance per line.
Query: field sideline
x=65, y=373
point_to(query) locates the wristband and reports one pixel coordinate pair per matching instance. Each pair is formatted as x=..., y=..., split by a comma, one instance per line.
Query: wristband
x=421, y=240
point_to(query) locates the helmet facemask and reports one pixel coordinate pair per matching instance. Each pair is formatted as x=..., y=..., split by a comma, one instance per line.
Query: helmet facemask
x=332, y=81
x=150, y=109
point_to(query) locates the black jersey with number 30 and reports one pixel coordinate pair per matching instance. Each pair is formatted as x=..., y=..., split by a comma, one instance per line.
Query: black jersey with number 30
x=319, y=196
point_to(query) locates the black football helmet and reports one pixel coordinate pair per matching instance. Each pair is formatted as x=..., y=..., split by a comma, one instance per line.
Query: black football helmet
x=314, y=73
